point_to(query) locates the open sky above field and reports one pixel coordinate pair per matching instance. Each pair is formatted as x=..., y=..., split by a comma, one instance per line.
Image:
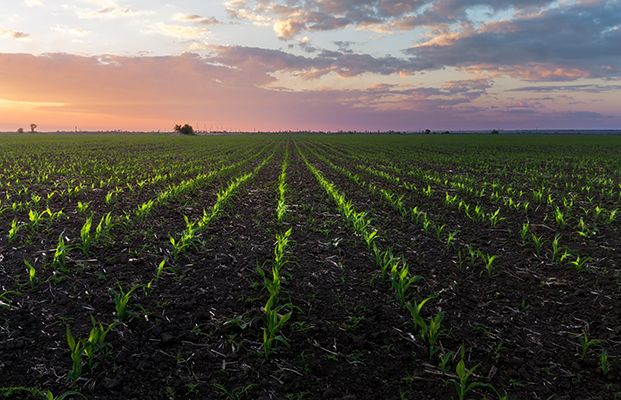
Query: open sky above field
x=310, y=64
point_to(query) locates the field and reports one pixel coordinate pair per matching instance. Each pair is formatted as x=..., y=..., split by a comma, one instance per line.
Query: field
x=308, y=267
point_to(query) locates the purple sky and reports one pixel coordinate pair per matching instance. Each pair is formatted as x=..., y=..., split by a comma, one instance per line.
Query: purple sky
x=310, y=64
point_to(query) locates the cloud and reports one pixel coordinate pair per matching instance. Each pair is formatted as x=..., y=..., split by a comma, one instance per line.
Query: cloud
x=67, y=30
x=12, y=34
x=534, y=40
x=343, y=64
x=109, y=9
x=589, y=88
x=115, y=92
x=196, y=19
x=291, y=17
x=564, y=43
x=188, y=26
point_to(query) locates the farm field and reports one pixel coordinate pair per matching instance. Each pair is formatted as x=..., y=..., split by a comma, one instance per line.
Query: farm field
x=310, y=267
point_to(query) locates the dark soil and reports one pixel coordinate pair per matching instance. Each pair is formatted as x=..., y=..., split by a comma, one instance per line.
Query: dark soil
x=197, y=332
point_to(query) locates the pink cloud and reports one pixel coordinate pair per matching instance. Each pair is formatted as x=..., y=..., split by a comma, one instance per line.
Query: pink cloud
x=60, y=91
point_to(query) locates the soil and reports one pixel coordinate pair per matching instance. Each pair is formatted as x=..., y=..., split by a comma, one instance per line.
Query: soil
x=197, y=332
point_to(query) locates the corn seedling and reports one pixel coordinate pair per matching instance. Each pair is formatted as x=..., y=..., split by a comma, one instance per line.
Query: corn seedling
x=32, y=273
x=450, y=239
x=495, y=218
x=556, y=247
x=282, y=241
x=274, y=321
x=586, y=344
x=369, y=238
x=86, y=237
x=13, y=230
x=82, y=207
x=428, y=329
x=96, y=342
x=144, y=209
x=121, y=299
x=415, y=313
x=465, y=383
x=604, y=364
x=402, y=280
x=76, y=349
x=612, y=215
x=524, y=232
x=537, y=243
x=60, y=253
x=450, y=200
x=579, y=263
x=559, y=217
x=160, y=269
x=281, y=208
x=438, y=229
x=444, y=361
x=427, y=191
x=489, y=261
x=102, y=231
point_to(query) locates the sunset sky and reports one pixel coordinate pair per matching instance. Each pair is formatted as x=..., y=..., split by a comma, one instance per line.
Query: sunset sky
x=310, y=64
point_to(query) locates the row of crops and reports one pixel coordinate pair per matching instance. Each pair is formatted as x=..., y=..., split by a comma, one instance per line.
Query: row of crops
x=308, y=267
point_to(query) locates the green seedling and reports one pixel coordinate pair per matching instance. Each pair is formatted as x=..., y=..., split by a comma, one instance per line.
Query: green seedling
x=465, y=383
x=13, y=230
x=60, y=253
x=32, y=273
x=75, y=350
x=586, y=344
x=604, y=364
x=86, y=238
x=121, y=300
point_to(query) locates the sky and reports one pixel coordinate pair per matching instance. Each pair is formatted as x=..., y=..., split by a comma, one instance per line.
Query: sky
x=310, y=64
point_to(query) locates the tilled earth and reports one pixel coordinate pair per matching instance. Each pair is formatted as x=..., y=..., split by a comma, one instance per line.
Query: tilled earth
x=197, y=332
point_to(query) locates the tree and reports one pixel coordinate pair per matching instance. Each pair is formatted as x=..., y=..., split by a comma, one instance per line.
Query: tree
x=20, y=130
x=33, y=127
x=185, y=129
x=495, y=132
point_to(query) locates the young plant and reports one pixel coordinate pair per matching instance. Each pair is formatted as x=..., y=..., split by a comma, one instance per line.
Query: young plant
x=489, y=261
x=402, y=280
x=612, y=215
x=86, y=238
x=559, y=217
x=524, y=232
x=537, y=243
x=274, y=321
x=160, y=268
x=32, y=273
x=586, y=344
x=60, y=253
x=96, y=342
x=75, y=351
x=465, y=383
x=13, y=230
x=556, y=249
x=428, y=329
x=579, y=263
x=82, y=207
x=144, y=209
x=495, y=218
x=282, y=241
x=121, y=299
x=369, y=238
x=450, y=239
x=102, y=231
x=604, y=364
